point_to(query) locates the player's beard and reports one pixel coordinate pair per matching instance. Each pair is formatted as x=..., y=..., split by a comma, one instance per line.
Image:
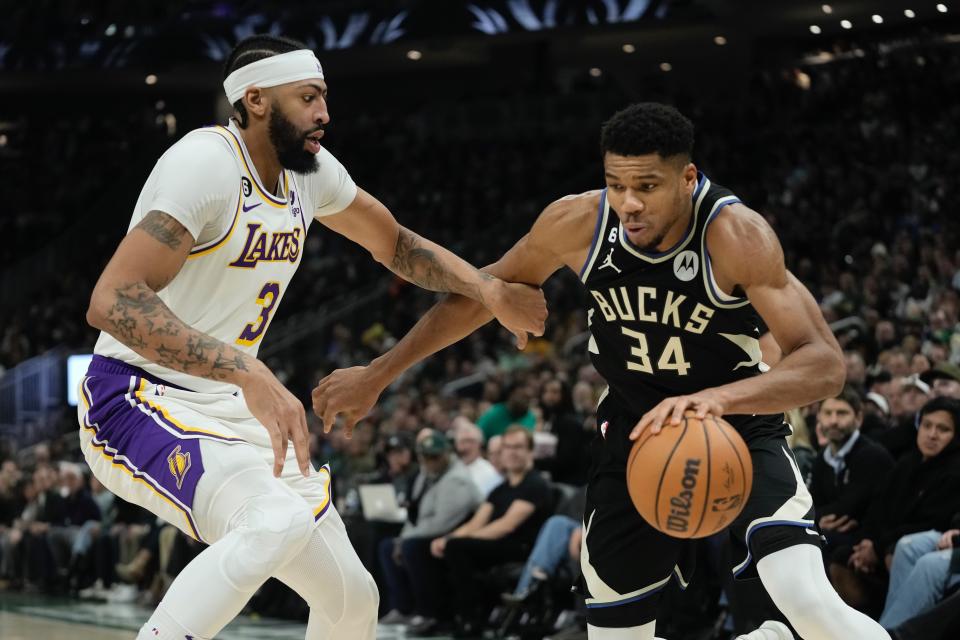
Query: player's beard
x=288, y=141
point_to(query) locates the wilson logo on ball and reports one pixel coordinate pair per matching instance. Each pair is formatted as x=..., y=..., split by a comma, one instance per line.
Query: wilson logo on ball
x=679, y=518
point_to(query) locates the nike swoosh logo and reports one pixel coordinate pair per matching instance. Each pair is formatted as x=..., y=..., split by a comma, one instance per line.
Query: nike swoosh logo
x=253, y=206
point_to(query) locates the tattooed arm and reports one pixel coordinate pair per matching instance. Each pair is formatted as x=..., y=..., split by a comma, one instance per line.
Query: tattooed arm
x=125, y=304
x=519, y=307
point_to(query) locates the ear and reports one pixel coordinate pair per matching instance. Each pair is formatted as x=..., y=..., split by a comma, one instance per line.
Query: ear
x=256, y=102
x=690, y=177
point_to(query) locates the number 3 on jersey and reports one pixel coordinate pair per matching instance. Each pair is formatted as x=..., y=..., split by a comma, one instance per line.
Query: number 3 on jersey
x=670, y=360
x=267, y=300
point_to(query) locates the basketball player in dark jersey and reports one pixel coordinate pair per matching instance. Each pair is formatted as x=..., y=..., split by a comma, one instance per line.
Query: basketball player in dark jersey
x=681, y=277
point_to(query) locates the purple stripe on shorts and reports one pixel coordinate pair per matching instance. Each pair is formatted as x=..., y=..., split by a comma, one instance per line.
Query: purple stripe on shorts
x=129, y=434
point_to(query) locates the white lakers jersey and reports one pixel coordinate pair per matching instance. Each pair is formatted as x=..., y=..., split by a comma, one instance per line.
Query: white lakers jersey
x=248, y=241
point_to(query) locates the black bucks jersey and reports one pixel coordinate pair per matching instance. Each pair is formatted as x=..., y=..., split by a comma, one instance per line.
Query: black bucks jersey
x=659, y=324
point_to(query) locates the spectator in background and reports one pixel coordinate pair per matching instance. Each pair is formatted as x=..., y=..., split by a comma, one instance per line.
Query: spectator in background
x=569, y=440
x=944, y=380
x=70, y=542
x=856, y=369
x=558, y=541
x=848, y=471
x=445, y=496
x=494, y=451
x=514, y=409
x=502, y=530
x=921, y=493
x=920, y=573
x=902, y=437
x=398, y=467
x=800, y=445
x=468, y=440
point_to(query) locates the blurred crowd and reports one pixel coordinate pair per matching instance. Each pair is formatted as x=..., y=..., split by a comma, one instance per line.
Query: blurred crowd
x=854, y=169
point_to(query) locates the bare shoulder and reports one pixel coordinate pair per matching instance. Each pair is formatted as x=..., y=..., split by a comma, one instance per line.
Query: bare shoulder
x=744, y=248
x=567, y=223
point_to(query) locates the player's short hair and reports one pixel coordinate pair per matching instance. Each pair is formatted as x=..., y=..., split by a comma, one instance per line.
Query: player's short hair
x=851, y=396
x=648, y=127
x=248, y=51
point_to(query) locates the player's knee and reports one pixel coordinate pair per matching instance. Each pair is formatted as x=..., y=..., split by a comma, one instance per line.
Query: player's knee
x=272, y=530
x=362, y=595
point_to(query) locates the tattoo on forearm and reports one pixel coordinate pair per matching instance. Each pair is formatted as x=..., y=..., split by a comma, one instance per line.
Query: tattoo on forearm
x=141, y=320
x=163, y=228
x=421, y=266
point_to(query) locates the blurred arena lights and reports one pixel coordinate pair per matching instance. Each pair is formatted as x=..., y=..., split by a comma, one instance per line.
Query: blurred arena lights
x=413, y=54
x=827, y=9
x=151, y=79
x=719, y=41
x=628, y=48
x=814, y=29
x=666, y=66
x=877, y=18
x=595, y=72
x=846, y=24
x=909, y=13
x=942, y=8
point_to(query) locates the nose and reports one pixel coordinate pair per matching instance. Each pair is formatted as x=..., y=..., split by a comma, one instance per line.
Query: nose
x=631, y=203
x=322, y=116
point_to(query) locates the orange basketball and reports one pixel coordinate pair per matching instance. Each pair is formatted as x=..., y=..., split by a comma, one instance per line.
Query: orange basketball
x=692, y=479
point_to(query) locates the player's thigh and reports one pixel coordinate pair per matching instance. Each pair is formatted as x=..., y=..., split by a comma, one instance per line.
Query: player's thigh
x=779, y=512
x=625, y=562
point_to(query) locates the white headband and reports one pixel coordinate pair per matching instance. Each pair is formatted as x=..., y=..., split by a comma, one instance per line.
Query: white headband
x=270, y=72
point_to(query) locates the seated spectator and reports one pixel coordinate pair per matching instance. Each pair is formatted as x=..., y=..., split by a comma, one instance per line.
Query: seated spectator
x=445, y=495
x=920, y=574
x=944, y=380
x=494, y=451
x=514, y=409
x=399, y=467
x=800, y=445
x=558, y=542
x=568, y=439
x=912, y=393
x=848, y=471
x=468, y=440
x=502, y=530
x=921, y=493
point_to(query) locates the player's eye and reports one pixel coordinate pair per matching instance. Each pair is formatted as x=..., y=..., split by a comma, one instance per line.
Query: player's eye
x=309, y=97
x=649, y=186
x=617, y=187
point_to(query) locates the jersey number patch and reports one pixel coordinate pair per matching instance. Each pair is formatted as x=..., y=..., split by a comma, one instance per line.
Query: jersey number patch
x=671, y=358
x=267, y=300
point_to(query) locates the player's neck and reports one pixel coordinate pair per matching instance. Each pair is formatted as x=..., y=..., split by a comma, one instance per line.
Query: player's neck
x=264, y=158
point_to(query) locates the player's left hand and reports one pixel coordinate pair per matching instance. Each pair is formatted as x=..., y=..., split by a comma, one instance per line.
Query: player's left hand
x=671, y=410
x=520, y=308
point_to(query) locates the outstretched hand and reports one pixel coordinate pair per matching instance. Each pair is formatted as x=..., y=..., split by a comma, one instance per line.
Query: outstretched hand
x=347, y=392
x=520, y=308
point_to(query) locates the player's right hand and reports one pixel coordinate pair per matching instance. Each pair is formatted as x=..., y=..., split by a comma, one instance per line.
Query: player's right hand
x=350, y=392
x=281, y=414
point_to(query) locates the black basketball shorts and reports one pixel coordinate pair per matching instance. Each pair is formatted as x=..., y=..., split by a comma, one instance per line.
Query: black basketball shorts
x=626, y=563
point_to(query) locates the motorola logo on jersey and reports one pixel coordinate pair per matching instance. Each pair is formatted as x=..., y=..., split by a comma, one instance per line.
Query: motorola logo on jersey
x=686, y=265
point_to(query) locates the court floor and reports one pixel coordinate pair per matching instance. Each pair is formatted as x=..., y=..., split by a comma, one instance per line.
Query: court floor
x=25, y=617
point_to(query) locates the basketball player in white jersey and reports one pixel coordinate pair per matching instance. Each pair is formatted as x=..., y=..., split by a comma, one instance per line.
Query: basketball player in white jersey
x=178, y=415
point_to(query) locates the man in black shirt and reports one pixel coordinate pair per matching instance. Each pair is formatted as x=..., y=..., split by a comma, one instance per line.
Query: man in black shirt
x=502, y=530
x=847, y=471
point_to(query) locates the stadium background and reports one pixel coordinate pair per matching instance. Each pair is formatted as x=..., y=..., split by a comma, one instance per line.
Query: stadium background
x=837, y=122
